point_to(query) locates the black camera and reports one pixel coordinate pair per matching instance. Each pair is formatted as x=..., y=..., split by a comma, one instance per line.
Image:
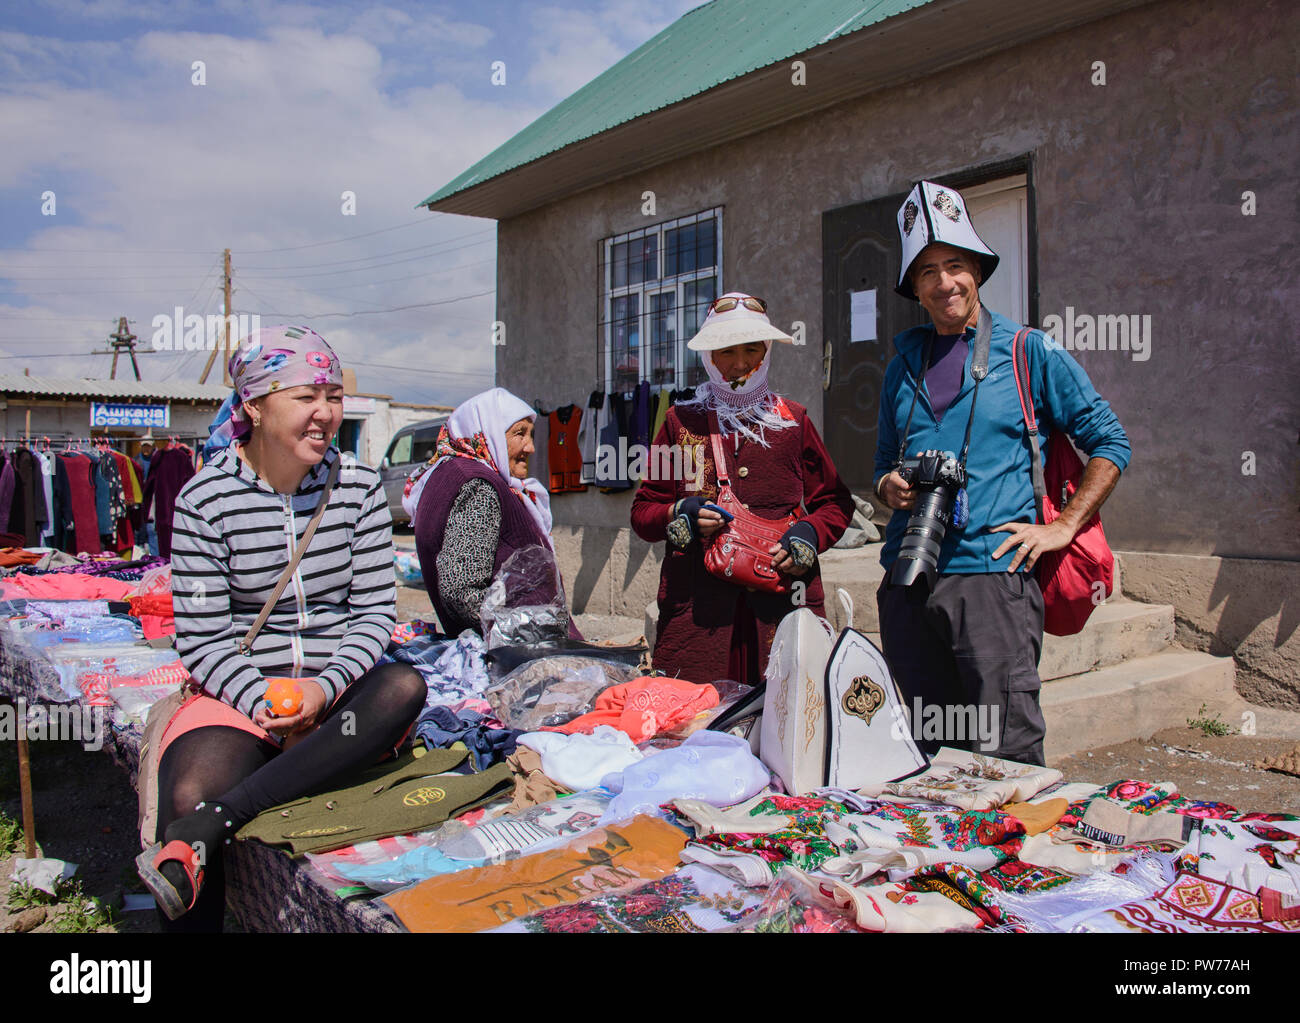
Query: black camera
x=937, y=477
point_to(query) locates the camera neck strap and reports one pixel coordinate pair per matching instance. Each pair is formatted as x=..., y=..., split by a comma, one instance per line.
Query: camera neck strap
x=979, y=368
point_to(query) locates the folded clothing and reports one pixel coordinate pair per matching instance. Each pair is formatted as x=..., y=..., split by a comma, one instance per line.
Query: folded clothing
x=65, y=586
x=645, y=707
x=597, y=862
x=580, y=761
x=488, y=744
x=409, y=794
x=971, y=781
x=713, y=767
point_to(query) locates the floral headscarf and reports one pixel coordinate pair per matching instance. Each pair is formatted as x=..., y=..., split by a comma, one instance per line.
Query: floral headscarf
x=269, y=360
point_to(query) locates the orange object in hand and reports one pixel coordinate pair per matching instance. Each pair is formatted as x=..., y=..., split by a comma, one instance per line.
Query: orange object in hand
x=283, y=697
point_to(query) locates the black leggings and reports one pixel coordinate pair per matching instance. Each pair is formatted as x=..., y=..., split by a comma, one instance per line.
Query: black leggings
x=248, y=774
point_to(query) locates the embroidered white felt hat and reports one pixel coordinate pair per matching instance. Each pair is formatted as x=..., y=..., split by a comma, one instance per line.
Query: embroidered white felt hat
x=935, y=213
x=736, y=322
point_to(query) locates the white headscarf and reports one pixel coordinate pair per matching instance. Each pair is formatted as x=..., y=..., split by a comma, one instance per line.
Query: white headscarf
x=489, y=415
x=744, y=407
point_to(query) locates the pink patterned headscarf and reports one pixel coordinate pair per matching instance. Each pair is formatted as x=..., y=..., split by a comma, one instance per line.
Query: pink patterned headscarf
x=273, y=358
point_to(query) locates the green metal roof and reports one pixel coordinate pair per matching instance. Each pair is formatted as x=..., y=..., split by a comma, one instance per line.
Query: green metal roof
x=715, y=43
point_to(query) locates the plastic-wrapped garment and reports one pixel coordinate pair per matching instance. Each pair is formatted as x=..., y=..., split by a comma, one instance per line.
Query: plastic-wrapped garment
x=709, y=766
x=135, y=701
x=60, y=609
x=692, y=900
x=530, y=830
x=72, y=660
x=454, y=670
x=554, y=690
x=416, y=865
x=514, y=610
x=502, y=660
x=407, y=568
x=645, y=706
x=580, y=761
x=597, y=862
x=375, y=859
x=82, y=630
x=796, y=904
x=156, y=580
x=1059, y=909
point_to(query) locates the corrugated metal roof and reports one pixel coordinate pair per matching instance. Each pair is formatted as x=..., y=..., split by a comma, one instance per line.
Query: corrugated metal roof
x=715, y=43
x=58, y=387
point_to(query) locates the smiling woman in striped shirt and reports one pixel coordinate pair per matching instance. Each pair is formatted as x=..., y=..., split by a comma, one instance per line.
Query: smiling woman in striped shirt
x=224, y=757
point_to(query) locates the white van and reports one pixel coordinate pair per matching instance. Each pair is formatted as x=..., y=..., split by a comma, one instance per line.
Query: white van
x=409, y=449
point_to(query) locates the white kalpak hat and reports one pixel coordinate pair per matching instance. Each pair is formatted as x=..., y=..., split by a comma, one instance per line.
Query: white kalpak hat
x=934, y=213
x=738, y=325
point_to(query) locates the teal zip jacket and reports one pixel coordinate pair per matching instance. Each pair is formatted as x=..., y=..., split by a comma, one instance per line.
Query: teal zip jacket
x=999, y=484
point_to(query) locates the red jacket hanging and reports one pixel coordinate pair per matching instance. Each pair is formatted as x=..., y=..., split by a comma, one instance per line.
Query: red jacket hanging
x=563, y=451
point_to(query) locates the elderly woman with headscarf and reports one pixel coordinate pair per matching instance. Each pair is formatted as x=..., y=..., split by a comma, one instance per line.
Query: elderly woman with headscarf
x=475, y=505
x=224, y=757
x=710, y=627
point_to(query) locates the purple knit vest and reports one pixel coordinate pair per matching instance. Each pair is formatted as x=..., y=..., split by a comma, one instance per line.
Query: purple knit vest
x=518, y=528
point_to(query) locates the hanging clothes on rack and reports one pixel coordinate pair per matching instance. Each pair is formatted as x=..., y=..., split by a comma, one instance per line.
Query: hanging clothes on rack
x=662, y=400
x=81, y=522
x=614, y=436
x=589, y=434
x=565, y=450
x=132, y=496
x=169, y=470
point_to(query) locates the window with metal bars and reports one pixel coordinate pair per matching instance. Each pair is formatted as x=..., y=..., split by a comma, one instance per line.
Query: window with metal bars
x=656, y=286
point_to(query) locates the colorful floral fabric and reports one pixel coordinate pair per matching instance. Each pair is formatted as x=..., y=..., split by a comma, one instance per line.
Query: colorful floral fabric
x=690, y=901
x=1191, y=905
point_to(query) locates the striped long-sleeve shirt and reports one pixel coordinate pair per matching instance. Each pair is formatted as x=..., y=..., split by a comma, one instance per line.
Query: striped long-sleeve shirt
x=232, y=538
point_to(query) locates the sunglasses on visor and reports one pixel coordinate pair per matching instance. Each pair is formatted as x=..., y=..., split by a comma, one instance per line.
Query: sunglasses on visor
x=729, y=302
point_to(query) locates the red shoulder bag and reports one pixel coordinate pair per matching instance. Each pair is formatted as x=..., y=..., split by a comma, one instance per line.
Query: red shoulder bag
x=1077, y=578
x=739, y=551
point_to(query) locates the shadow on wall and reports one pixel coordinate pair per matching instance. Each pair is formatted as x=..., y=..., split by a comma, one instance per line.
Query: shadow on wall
x=1247, y=594
x=597, y=546
x=638, y=551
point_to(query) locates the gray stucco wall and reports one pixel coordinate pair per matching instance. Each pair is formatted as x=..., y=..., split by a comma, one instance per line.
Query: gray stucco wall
x=1138, y=197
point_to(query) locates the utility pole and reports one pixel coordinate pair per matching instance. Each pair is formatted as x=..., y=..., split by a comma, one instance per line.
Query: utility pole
x=225, y=359
x=122, y=339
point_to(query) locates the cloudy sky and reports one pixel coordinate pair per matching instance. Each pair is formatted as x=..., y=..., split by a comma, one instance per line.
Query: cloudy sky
x=154, y=175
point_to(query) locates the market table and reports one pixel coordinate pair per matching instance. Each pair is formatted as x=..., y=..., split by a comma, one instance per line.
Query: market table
x=267, y=890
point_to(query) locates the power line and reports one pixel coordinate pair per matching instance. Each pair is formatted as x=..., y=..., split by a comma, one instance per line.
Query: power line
x=253, y=252
x=384, y=255
x=373, y=312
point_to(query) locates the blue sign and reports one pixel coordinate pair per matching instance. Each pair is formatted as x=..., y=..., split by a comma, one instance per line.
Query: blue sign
x=144, y=416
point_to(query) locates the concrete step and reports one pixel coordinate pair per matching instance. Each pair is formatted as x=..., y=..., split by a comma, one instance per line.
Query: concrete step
x=1117, y=631
x=1133, y=699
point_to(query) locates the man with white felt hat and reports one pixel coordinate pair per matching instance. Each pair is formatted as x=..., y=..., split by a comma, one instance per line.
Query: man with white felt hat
x=961, y=612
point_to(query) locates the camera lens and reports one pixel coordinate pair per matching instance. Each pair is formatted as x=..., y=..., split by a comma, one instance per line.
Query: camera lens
x=919, y=554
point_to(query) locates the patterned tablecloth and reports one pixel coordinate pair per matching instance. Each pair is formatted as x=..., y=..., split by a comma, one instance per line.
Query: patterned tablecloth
x=266, y=890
